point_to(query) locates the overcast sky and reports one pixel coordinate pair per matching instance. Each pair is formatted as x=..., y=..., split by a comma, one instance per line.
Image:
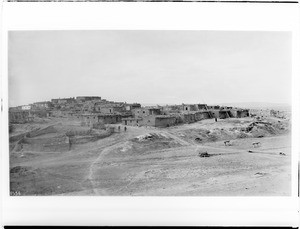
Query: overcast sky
x=158, y=67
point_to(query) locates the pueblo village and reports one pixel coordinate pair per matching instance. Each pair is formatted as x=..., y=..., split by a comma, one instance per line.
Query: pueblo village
x=88, y=145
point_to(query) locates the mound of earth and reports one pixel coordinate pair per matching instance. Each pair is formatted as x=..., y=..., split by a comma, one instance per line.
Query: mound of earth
x=234, y=129
x=144, y=144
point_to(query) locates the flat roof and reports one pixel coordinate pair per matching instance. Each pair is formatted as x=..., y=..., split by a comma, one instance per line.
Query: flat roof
x=100, y=115
x=164, y=116
x=195, y=112
x=126, y=119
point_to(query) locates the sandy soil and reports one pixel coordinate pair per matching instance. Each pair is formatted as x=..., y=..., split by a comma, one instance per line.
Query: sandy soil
x=161, y=162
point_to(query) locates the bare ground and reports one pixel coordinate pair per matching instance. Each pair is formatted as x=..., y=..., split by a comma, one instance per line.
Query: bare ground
x=161, y=162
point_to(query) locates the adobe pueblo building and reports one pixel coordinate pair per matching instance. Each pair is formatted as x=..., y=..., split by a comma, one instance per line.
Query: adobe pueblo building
x=95, y=111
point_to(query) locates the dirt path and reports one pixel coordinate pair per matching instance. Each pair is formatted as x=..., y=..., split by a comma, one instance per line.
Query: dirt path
x=131, y=133
x=98, y=190
x=119, y=139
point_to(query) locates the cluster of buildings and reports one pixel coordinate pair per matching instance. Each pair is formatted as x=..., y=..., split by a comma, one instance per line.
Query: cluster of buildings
x=93, y=110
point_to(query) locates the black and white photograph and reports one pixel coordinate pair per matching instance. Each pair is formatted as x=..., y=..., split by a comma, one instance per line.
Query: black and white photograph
x=150, y=113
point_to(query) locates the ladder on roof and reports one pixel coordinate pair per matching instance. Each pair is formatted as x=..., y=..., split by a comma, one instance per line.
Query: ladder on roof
x=228, y=114
x=209, y=112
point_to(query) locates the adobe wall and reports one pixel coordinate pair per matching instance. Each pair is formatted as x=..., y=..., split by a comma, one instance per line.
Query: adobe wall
x=37, y=140
x=202, y=106
x=110, y=119
x=244, y=113
x=107, y=110
x=32, y=133
x=37, y=132
x=148, y=121
x=40, y=113
x=133, y=122
x=91, y=136
x=223, y=115
x=88, y=120
x=118, y=109
x=165, y=122
x=139, y=112
x=56, y=113
x=178, y=119
x=206, y=115
x=62, y=142
x=190, y=107
x=20, y=117
x=215, y=113
x=71, y=133
x=57, y=143
x=201, y=115
x=188, y=118
x=234, y=113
